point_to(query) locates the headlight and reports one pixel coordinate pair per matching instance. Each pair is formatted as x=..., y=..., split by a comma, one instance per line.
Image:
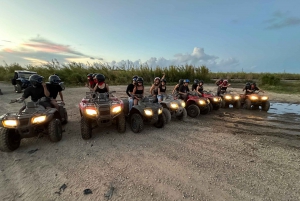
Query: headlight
x=236, y=98
x=174, y=105
x=216, y=99
x=9, y=123
x=116, y=109
x=253, y=97
x=39, y=119
x=183, y=104
x=228, y=97
x=91, y=112
x=264, y=98
x=149, y=112
x=201, y=102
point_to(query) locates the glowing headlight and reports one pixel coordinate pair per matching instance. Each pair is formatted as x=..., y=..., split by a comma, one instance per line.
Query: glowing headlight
x=201, y=102
x=91, y=112
x=40, y=119
x=116, y=109
x=253, y=97
x=264, y=98
x=159, y=111
x=216, y=99
x=9, y=123
x=236, y=98
x=183, y=104
x=174, y=105
x=149, y=112
x=228, y=97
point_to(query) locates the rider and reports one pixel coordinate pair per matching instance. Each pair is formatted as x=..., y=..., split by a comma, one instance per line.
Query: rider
x=101, y=86
x=55, y=88
x=36, y=91
x=199, y=88
x=138, y=91
x=223, y=86
x=218, y=83
x=195, y=85
x=154, y=87
x=91, y=84
x=177, y=86
x=253, y=88
x=129, y=91
x=162, y=89
x=247, y=87
x=184, y=89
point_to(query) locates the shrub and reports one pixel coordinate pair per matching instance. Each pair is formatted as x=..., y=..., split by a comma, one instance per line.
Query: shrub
x=269, y=79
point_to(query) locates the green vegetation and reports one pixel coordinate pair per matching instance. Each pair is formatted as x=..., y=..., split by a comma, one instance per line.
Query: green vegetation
x=75, y=74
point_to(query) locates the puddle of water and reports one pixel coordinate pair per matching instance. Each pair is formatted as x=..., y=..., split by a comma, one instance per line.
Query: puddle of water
x=284, y=108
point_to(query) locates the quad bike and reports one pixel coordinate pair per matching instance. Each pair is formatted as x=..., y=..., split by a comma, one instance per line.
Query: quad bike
x=21, y=80
x=31, y=120
x=254, y=101
x=196, y=105
x=215, y=101
x=98, y=109
x=173, y=107
x=145, y=112
x=230, y=98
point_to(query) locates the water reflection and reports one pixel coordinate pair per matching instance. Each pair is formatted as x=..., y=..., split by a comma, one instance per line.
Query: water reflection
x=284, y=108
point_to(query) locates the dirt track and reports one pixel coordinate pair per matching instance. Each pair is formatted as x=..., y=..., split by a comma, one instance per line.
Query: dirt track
x=226, y=155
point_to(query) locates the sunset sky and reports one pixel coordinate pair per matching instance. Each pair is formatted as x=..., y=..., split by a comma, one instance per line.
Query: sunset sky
x=224, y=35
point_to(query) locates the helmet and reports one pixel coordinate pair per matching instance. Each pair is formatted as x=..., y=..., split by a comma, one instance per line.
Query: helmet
x=180, y=82
x=225, y=81
x=54, y=79
x=140, y=80
x=134, y=77
x=196, y=81
x=164, y=80
x=248, y=84
x=35, y=80
x=100, y=78
x=94, y=75
x=157, y=78
x=186, y=81
x=90, y=76
x=201, y=81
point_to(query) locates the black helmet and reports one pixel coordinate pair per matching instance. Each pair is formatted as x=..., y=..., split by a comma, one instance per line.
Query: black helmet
x=90, y=75
x=35, y=80
x=163, y=80
x=94, y=75
x=100, y=78
x=140, y=80
x=54, y=79
x=201, y=81
x=134, y=77
x=196, y=81
x=248, y=84
x=180, y=82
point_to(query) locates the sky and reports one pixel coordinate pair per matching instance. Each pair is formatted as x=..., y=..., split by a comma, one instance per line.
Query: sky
x=224, y=35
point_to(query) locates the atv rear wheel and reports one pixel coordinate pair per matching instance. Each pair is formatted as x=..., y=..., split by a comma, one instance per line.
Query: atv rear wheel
x=86, y=128
x=9, y=140
x=237, y=104
x=136, y=123
x=247, y=104
x=216, y=107
x=121, y=123
x=183, y=115
x=167, y=114
x=265, y=106
x=55, y=130
x=193, y=111
x=161, y=121
x=18, y=88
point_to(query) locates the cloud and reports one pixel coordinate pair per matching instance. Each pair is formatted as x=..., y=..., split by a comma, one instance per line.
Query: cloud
x=6, y=41
x=281, y=20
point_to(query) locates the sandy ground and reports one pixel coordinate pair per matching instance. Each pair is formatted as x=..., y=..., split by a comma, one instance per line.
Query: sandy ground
x=226, y=155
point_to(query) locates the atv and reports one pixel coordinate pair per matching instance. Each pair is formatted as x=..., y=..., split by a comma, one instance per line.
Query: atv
x=173, y=107
x=215, y=101
x=21, y=80
x=196, y=105
x=254, y=101
x=145, y=112
x=230, y=98
x=101, y=109
x=31, y=120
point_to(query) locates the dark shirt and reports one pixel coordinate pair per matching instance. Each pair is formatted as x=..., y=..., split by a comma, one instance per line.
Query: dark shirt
x=53, y=90
x=139, y=91
x=184, y=89
x=104, y=90
x=194, y=86
x=162, y=88
x=200, y=89
x=130, y=88
x=34, y=93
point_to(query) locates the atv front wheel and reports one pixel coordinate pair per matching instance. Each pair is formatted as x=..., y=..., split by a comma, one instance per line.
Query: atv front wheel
x=55, y=130
x=183, y=115
x=86, y=128
x=18, y=88
x=193, y=111
x=167, y=114
x=121, y=123
x=136, y=123
x=9, y=140
x=265, y=106
x=206, y=110
x=247, y=104
x=161, y=121
x=237, y=105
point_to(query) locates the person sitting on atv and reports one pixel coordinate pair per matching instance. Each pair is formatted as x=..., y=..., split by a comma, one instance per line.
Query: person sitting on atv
x=184, y=89
x=129, y=91
x=36, y=91
x=138, y=91
x=162, y=90
x=253, y=88
x=101, y=86
x=199, y=88
x=218, y=83
x=177, y=86
x=91, y=84
x=155, y=85
x=55, y=88
x=195, y=85
x=247, y=87
x=223, y=86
